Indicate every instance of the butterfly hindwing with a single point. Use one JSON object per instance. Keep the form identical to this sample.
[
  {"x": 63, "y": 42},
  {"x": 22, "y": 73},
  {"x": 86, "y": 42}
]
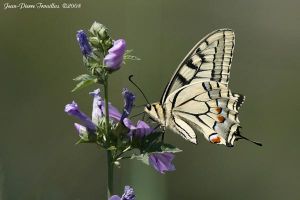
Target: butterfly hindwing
[
  {"x": 204, "y": 107},
  {"x": 209, "y": 60}
]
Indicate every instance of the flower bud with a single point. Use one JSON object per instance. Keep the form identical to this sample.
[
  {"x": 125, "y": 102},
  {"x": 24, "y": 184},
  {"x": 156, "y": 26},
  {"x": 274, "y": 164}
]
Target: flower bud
[
  {"x": 99, "y": 30},
  {"x": 83, "y": 42},
  {"x": 94, "y": 41}
]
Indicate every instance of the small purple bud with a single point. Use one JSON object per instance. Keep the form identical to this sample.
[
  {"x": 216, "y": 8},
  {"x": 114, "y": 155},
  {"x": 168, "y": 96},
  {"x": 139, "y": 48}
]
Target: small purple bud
[
  {"x": 73, "y": 109},
  {"x": 162, "y": 162},
  {"x": 114, "y": 58},
  {"x": 128, "y": 102},
  {"x": 84, "y": 44}
]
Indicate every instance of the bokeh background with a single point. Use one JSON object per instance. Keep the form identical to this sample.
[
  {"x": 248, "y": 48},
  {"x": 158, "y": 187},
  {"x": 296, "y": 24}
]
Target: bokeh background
[{"x": 39, "y": 56}]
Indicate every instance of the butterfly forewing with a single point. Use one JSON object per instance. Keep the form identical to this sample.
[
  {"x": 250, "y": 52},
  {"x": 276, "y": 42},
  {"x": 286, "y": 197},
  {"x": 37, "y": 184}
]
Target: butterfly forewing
[{"x": 209, "y": 60}]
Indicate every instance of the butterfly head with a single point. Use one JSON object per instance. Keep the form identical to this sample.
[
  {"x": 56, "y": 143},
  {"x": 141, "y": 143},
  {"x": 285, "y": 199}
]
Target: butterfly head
[{"x": 156, "y": 112}]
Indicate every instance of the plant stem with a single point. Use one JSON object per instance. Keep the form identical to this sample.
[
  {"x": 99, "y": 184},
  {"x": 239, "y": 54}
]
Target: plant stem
[
  {"x": 110, "y": 174},
  {"x": 110, "y": 164}
]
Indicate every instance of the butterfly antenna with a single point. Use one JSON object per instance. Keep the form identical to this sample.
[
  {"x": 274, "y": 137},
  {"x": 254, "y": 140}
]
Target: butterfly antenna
[
  {"x": 137, "y": 115},
  {"x": 130, "y": 79},
  {"x": 138, "y": 106},
  {"x": 243, "y": 137}
]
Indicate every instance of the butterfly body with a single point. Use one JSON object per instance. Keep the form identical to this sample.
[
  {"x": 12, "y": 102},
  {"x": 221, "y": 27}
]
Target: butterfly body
[{"x": 197, "y": 100}]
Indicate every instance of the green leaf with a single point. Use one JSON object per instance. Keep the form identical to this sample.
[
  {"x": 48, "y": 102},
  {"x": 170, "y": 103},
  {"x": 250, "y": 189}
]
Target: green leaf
[
  {"x": 127, "y": 55},
  {"x": 131, "y": 57},
  {"x": 161, "y": 147},
  {"x": 151, "y": 138},
  {"x": 170, "y": 148},
  {"x": 84, "y": 81},
  {"x": 142, "y": 157},
  {"x": 129, "y": 51},
  {"x": 83, "y": 77},
  {"x": 111, "y": 148}
]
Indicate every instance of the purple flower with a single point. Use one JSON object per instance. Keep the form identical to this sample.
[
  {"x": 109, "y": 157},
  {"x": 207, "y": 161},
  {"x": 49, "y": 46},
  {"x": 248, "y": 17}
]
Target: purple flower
[
  {"x": 84, "y": 44},
  {"x": 128, "y": 102},
  {"x": 99, "y": 108},
  {"x": 73, "y": 109},
  {"x": 142, "y": 129},
  {"x": 97, "y": 103},
  {"x": 114, "y": 58},
  {"x": 162, "y": 162},
  {"x": 82, "y": 131},
  {"x": 128, "y": 195}
]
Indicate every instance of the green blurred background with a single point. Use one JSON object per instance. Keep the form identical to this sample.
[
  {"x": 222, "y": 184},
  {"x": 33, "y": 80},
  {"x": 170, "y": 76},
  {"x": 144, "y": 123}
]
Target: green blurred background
[{"x": 39, "y": 56}]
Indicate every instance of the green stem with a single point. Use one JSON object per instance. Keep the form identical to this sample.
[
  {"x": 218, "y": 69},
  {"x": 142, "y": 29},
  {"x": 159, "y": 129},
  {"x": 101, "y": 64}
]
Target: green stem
[
  {"x": 110, "y": 161},
  {"x": 110, "y": 174}
]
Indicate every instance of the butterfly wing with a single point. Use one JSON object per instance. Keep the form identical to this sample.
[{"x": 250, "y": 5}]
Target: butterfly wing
[
  {"x": 209, "y": 60},
  {"x": 204, "y": 107}
]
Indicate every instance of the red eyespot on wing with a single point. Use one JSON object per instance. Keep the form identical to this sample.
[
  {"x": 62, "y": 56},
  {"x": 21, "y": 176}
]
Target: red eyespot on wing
[
  {"x": 221, "y": 118},
  {"x": 218, "y": 109},
  {"x": 214, "y": 138}
]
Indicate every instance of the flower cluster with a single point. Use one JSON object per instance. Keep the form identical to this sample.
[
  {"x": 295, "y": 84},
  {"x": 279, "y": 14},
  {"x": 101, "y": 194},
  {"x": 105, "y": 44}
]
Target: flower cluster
[
  {"x": 126, "y": 134},
  {"x": 109, "y": 128}
]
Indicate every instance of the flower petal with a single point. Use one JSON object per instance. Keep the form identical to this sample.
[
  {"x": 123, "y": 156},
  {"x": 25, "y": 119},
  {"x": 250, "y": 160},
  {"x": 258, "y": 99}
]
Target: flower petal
[
  {"x": 119, "y": 47},
  {"x": 114, "y": 58},
  {"x": 113, "y": 112},
  {"x": 128, "y": 123},
  {"x": 142, "y": 129},
  {"x": 162, "y": 161},
  {"x": 97, "y": 113},
  {"x": 129, "y": 98},
  {"x": 82, "y": 131},
  {"x": 73, "y": 109}
]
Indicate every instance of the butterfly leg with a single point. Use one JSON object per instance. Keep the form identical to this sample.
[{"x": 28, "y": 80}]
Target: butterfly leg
[{"x": 163, "y": 133}]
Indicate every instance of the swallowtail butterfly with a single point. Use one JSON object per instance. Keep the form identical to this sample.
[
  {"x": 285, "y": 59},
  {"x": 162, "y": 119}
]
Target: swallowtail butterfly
[{"x": 197, "y": 98}]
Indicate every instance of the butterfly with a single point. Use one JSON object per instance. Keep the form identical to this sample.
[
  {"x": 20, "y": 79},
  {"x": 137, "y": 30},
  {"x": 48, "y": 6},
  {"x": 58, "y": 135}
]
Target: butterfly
[{"x": 197, "y": 99}]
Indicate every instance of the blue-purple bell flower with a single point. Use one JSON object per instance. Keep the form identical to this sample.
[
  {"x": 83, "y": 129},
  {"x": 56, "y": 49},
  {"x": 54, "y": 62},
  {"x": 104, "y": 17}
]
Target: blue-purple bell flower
[
  {"x": 114, "y": 58},
  {"x": 73, "y": 109},
  {"x": 162, "y": 162}
]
